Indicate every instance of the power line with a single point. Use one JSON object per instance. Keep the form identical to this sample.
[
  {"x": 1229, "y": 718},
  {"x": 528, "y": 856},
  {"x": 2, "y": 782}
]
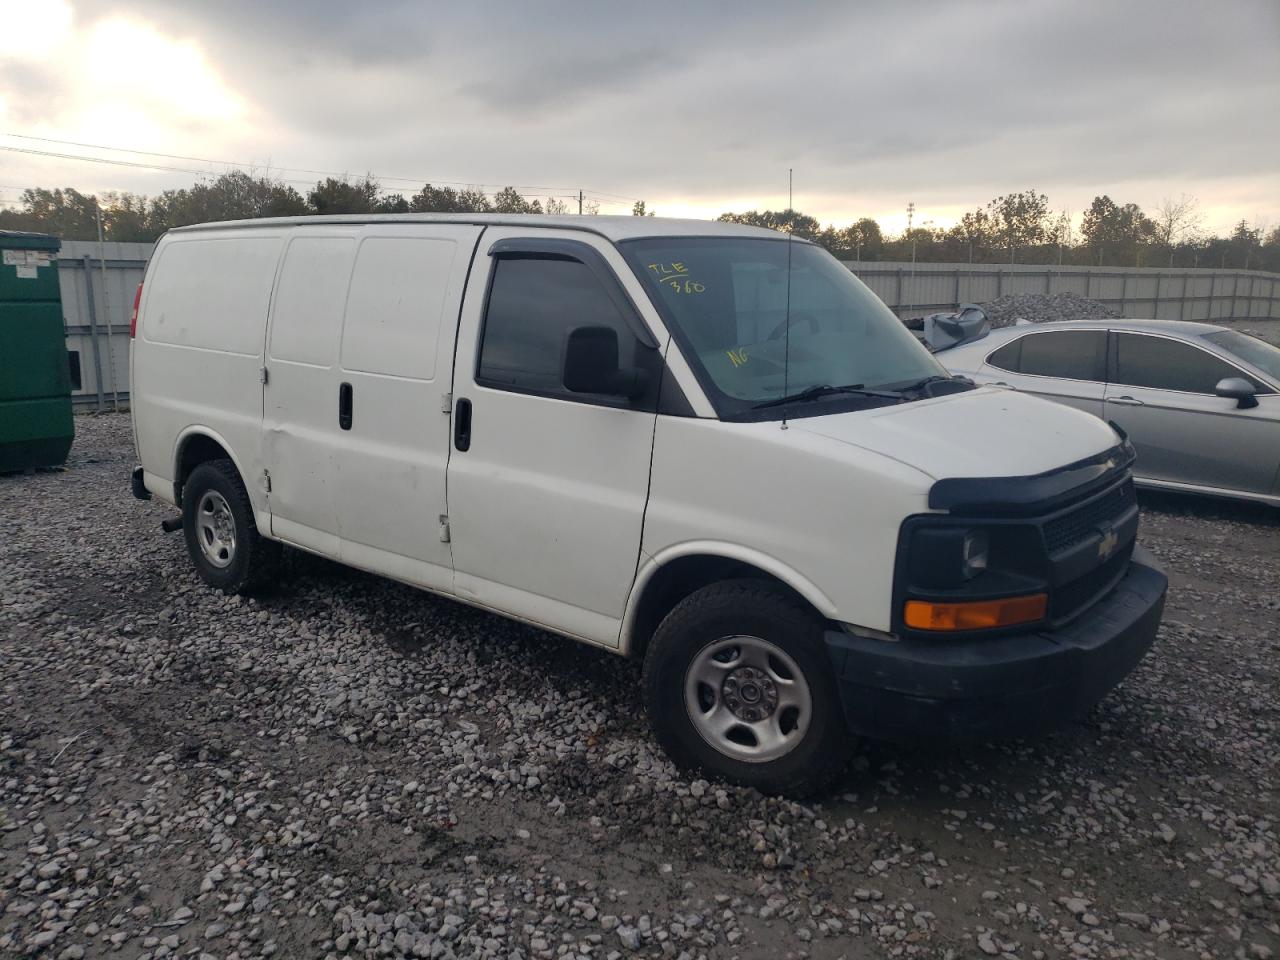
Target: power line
[{"x": 232, "y": 163}]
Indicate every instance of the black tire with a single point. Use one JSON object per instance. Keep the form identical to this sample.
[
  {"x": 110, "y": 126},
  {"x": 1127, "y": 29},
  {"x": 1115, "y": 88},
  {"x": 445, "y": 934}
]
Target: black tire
[
  {"x": 254, "y": 560},
  {"x": 751, "y": 609}
]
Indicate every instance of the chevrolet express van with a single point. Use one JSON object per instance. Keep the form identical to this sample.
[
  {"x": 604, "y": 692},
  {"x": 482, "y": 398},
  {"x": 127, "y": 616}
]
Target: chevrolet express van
[{"x": 701, "y": 444}]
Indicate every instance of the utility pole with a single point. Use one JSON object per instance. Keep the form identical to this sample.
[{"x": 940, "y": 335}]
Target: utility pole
[
  {"x": 579, "y": 203},
  {"x": 106, "y": 308},
  {"x": 911, "y": 213}
]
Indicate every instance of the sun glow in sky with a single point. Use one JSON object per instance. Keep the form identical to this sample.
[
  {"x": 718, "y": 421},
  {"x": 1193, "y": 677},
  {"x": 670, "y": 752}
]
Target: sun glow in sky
[{"x": 696, "y": 123}]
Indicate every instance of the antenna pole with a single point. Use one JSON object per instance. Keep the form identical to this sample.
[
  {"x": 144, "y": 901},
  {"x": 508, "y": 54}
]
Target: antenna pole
[{"x": 786, "y": 355}]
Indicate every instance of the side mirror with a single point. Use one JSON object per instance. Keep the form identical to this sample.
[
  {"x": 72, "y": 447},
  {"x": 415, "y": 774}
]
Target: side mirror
[
  {"x": 591, "y": 365},
  {"x": 1238, "y": 389}
]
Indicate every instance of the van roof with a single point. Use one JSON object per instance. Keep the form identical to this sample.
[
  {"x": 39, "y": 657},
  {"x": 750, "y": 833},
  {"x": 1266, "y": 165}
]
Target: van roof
[{"x": 612, "y": 227}]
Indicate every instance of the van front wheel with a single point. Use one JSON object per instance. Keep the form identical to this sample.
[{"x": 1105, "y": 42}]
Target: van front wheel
[
  {"x": 738, "y": 686},
  {"x": 222, "y": 538}
]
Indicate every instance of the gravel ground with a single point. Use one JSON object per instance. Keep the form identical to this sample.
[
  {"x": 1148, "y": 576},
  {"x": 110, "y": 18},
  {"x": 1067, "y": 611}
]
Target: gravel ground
[{"x": 348, "y": 767}]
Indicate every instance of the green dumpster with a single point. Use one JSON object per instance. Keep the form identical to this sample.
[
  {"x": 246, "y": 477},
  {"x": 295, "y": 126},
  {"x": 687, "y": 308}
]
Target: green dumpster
[{"x": 36, "y": 427}]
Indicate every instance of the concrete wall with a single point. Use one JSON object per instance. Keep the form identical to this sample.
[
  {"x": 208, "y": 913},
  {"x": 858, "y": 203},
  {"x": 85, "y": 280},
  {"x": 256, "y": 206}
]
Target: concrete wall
[{"x": 1168, "y": 294}]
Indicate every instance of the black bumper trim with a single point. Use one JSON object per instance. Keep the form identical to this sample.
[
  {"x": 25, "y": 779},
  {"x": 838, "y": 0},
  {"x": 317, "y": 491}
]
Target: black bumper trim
[
  {"x": 1013, "y": 685},
  {"x": 140, "y": 490}
]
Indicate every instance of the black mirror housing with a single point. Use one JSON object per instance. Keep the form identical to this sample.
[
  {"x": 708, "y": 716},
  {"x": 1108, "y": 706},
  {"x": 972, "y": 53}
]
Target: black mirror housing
[
  {"x": 1238, "y": 389},
  {"x": 590, "y": 365}
]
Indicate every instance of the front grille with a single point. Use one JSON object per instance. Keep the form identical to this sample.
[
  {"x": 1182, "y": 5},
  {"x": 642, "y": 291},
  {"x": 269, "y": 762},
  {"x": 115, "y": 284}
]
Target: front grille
[
  {"x": 1071, "y": 598},
  {"x": 1072, "y": 527}
]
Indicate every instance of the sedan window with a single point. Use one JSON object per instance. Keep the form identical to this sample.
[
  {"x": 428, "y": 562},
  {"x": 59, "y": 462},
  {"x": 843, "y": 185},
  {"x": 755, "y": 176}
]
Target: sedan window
[
  {"x": 1163, "y": 364},
  {"x": 1261, "y": 354},
  {"x": 1067, "y": 354}
]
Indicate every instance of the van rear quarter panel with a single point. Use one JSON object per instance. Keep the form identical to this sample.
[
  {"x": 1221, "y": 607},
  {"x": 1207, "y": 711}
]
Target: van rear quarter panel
[{"x": 199, "y": 348}]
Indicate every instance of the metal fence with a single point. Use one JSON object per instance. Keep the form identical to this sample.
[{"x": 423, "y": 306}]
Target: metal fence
[
  {"x": 1158, "y": 292},
  {"x": 98, "y": 282}
]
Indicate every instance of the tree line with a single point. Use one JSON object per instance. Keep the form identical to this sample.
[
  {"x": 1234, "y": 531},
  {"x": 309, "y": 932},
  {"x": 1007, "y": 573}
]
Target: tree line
[
  {"x": 239, "y": 195},
  {"x": 1023, "y": 228},
  {"x": 1012, "y": 228}
]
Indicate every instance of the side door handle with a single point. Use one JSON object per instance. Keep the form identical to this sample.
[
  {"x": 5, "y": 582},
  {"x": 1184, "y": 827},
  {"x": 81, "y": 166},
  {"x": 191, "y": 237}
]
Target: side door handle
[
  {"x": 462, "y": 425},
  {"x": 344, "y": 406},
  {"x": 1126, "y": 401}
]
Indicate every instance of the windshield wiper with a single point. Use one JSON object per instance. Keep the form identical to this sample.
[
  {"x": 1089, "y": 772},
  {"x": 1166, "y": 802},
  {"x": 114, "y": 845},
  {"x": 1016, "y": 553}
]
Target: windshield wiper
[{"x": 821, "y": 390}]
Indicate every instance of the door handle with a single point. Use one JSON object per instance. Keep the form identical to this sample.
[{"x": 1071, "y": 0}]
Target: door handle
[
  {"x": 1126, "y": 401},
  {"x": 462, "y": 425},
  {"x": 344, "y": 406}
]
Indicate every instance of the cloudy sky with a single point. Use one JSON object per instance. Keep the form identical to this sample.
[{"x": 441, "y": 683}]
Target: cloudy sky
[{"x": 697, "y": 108}]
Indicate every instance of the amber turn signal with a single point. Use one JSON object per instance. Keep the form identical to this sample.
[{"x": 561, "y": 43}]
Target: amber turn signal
[{"x": 975, "y": 615}]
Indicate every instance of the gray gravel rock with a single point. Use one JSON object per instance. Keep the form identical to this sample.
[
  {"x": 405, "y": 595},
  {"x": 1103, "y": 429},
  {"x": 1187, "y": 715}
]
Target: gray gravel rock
[
  {"x": 1041, "y": 308},
  {"x": 345, "y": 767}
]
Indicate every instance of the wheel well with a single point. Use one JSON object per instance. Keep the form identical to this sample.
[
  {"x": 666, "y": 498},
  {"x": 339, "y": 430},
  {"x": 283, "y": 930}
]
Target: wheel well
[
  {"x": 196, "y": 449},
  {"x": 681, "y": 577}
]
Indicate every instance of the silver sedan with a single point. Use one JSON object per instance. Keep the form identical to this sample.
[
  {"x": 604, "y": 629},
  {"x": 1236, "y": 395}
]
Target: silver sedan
[{"x": 1200, "y": 402}]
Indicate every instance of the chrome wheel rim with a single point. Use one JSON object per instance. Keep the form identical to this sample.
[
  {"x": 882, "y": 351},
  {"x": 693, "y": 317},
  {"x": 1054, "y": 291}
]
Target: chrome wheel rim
[
  {"x": 216, "y": 529},
  {"x": 748, "y": 699}
]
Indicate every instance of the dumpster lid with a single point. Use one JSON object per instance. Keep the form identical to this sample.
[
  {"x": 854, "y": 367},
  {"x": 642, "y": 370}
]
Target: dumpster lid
[{"x": 21, "y": 240}]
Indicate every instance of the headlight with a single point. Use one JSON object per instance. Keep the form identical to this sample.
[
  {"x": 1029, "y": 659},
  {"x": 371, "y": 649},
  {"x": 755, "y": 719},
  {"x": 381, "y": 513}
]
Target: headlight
[
  {"x": 948, "y": 557},
  {"x": 974, "y": 552}
]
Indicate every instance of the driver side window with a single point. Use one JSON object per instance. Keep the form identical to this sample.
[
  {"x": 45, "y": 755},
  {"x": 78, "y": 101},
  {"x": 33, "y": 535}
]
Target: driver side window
[
  {"x": 1159, "y": 363},
  {"x": 533, "y": 304}
]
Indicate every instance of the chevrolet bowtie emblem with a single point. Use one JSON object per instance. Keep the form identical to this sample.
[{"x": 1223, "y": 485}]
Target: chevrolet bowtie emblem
[{"x": 1107, "y": 546}]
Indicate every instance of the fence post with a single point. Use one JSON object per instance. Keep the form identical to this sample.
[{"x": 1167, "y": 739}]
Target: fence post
[
  {"x": 93, "y": 328},
  {"x": 958, "y": 300},
  {"x": 1235, "y": 286},
  {"x": 1048, "y": 282},
  {"x": 1124, "y": 294},
  {"x": 999, "y": 283},
  {"x": 1182, "y": 311},
  {"x": 1155, "y": 304},
  {"x": 898, "y": 297}
]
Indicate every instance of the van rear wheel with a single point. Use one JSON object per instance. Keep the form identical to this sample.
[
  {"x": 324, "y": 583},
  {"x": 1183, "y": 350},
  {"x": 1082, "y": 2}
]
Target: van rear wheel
[
  {"x": 222, "y": 537},
  {"x": 739, "y": 687}
]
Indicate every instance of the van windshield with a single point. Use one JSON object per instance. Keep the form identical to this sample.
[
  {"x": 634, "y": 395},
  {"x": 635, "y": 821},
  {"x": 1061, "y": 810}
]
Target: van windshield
[{"x": 726, "y": 301}]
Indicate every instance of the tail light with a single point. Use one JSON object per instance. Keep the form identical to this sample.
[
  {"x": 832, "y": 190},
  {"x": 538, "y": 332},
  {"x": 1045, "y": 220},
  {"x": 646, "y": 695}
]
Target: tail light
[{"x": 133, "y": 319}]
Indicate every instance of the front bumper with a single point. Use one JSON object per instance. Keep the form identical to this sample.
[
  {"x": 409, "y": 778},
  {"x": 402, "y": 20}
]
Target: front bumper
[{"x": 1014, "y": 685}]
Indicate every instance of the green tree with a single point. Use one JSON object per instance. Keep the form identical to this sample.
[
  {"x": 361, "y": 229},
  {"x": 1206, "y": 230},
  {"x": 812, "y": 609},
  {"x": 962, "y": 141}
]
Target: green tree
[
  {"x": 332, "y": 195},
  {"x": 391, "y": 203},
  {"x": 973, "y": 237},
  {"x": 237, "y": 195},
  {"x": 510, "y": 200},
  {"x": 1116, "y": 234},
  {"x": 784, "y": 221},
  {"x": 1019, "y": 220},
  {"x": 1245, "y": 245},
  {"x": 65, "y": 213},
  {"x": 431, "y": 199},
  {"x": 127, "y": 217},
  {"x": 863, "y": 239}
]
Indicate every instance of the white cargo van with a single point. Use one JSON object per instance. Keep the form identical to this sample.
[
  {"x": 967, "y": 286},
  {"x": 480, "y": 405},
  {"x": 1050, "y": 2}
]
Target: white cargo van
[{"x": 702, "y": 444}]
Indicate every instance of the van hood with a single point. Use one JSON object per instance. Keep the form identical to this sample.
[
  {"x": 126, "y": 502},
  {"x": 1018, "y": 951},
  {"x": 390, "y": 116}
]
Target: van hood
[{"x": 986, "y": 432}]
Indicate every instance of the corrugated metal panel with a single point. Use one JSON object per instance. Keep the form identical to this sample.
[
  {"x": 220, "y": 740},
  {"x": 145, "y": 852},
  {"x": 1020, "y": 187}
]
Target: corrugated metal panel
[
  {"x": 1170, "y": 293},
  {"x": 104, "y": 372}
]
